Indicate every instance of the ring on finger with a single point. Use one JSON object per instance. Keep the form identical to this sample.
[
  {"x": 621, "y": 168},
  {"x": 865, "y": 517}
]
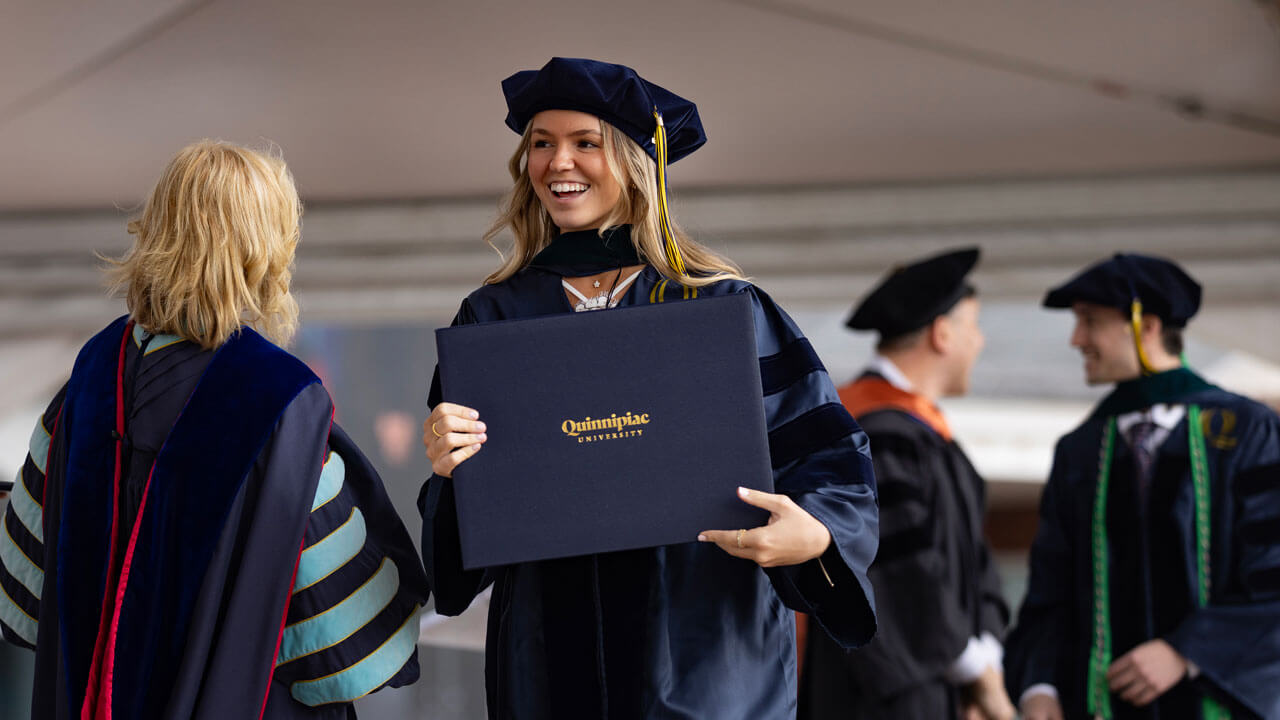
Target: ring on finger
[
  {"x": 434, "y": 430},
  {"x": 741, "y": 532}
]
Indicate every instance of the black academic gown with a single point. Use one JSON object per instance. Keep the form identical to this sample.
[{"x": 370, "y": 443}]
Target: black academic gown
[
  {"x": 681, "y": 631},
  {"x": 203, "y": 578},
  {"x": 935, "y": 583},
  {"x": 1235, "y": 640}
]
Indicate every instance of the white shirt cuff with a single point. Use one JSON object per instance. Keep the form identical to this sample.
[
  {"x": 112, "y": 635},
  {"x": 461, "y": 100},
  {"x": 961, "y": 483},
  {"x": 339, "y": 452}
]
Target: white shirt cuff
[
  {"x": 1038, "y": 689},
  {"x": 979, "y": 654}
]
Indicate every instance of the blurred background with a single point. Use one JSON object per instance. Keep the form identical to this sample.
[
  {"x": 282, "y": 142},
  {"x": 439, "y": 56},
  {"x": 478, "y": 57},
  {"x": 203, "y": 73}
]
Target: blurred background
[{"x": 845, "y": 136}]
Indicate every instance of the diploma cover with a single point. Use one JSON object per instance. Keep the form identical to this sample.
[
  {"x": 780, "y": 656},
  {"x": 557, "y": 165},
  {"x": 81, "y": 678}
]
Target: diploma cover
[{"x": 608, "y": 430}]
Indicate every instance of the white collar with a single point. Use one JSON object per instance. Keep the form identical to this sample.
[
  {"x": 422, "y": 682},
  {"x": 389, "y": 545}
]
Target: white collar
[
  {"x": 889, "y": 371},
  {"x": 1164, "y": 416}
]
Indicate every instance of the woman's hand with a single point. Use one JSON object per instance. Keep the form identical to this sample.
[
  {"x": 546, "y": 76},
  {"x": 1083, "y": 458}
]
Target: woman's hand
[
  {"x": 452, "y": 434},
  {"x": 792, "y": 536}
]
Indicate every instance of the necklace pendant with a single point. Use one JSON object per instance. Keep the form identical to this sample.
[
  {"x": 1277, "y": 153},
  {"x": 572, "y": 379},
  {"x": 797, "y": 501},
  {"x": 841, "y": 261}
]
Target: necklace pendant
[{"x": 595, "y": 284}]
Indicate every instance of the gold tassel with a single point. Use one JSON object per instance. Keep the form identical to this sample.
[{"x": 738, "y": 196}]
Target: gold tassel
[
  {"x": 660, "y": 146},
  {"x": 1135, "y": 320}
]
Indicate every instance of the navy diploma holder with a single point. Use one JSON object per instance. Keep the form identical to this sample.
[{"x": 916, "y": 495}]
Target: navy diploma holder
[{"x": 608, "y": 430}]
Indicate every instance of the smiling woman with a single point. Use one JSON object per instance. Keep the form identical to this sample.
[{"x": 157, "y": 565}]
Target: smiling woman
[
  {"x": 569, "y": 169},
  {"x": 698, "y": 629}
]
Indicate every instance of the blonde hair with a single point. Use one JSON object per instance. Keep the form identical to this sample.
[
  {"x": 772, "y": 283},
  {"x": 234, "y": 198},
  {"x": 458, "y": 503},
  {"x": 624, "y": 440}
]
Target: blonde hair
[
  {"x": 214, "y": 247},
  {"x": 636, "y": 172}
]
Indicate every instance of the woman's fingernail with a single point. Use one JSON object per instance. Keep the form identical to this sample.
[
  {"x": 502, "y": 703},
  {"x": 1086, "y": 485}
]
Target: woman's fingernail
[
  {"x": 480, "y": 427},
  {"x": 482, "y": 437},
  {"x": 744, "y": 492},
  {"x": 702, "y": 538},
  {"x": 474, "y": 414}
]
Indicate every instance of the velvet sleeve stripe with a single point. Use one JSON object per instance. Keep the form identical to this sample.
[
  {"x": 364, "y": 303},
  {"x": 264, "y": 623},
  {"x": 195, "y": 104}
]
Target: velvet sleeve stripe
[
  {"x": 365, "y": 676},
  {"x": 17, "y": 564},
  {"x": 786, "y": 367},
  {"x": 1257, "y": 480},
  {"x": 1264, "y": 580},
  {"x": 1265, "y": 531},
  {"x": 343, "y": 620},
  {"x": 331, "y": 553},
  {"x": 331, "y": 478},
  {"x": 13, "y": 617},
  {"x": 816, "y": 429},
  {"x": 351, "y": 595},
  {"x": 23, "y": 503},
  {"x": 39, "y": 445}
]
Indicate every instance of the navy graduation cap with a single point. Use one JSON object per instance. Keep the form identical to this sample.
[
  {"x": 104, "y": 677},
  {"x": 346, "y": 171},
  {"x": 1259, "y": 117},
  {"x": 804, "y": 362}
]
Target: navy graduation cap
[
  {"x": 1136, "y": 283},
  {"x": 613, "y": 93},
  {"x": 913, "y": 295},
  {"x": 1159, "y": 285}
]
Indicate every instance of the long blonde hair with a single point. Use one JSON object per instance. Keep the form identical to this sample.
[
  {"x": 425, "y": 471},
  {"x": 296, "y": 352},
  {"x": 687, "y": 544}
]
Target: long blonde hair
[
  {"x": 634, "y": 170},
  {"x": 214, "y": 247}
]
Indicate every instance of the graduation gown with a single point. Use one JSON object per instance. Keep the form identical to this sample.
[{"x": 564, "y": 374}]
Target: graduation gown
[
  {"x": 681, "y": 631},
  {"x": 1235, "y": 639},
  {"x": 191, "y": 537},
  {"x": 935, "y": 582}
]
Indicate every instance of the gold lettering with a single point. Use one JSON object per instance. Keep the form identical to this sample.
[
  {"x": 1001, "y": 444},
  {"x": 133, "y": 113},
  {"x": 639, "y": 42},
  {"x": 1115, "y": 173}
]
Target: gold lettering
[{"x": 611, "y": 428}]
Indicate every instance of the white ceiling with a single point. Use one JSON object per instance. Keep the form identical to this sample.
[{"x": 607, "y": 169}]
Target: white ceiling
[{"x": 377, "y": 100}]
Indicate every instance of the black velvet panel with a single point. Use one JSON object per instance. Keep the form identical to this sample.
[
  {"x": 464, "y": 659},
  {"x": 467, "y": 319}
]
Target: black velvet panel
[
  {"x": 84, "y": 540},
  {"x": 1257, "y": 480},
  {"x": 783, "y": 369},
  {"x": 811, "y": 431},
  {"x": 1171, "y": 527},
  {"x": 1262, "y": 532},
  {"x": 1127, "y": 536},
  {"x": 626, "y": 582},
  {"x": 574, "y": 662}
]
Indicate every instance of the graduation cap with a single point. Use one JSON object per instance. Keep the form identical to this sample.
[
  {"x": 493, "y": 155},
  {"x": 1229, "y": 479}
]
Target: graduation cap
[
  {"x": 613, "y": 93},
  {"x": 1135, "y": 283},
  {"x": 911, "y": 296},
  {"x": 664, "y": 124}
]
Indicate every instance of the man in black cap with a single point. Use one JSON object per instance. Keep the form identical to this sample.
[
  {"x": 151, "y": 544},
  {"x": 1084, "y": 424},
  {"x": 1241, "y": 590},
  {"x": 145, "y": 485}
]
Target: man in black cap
[
  {"x": 937, "y": 651},
  {"x": 1155, "y": 572}
]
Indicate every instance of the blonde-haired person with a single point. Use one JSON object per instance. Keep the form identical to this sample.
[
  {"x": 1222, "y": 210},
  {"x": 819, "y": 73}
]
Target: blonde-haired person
[
  {"x": 695, "y": 630},
  {"x": 214, "y": 247},
  {"x": 191, "y": 536}
]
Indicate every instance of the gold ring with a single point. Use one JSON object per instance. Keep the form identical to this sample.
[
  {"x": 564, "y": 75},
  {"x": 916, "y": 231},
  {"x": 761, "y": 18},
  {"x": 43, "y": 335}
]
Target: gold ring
[
  {"x": 433, "y": 429},
  {"x": 740, "y": 534}
]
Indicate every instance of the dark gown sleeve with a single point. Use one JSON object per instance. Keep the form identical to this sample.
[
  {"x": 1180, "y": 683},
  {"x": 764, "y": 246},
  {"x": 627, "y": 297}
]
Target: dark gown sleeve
[
  {"x": 921, "y": 632},
  {"x": 994, "y": 613},
  {"x": 821, "y": 460},
  {"x": 22, "y": 537},
  {"x": 352, "y": 621},
  {"x": 1235, "y": 640},
  {"x": 1035, "y": 651},
  {"x": 453, "y": 587}
]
